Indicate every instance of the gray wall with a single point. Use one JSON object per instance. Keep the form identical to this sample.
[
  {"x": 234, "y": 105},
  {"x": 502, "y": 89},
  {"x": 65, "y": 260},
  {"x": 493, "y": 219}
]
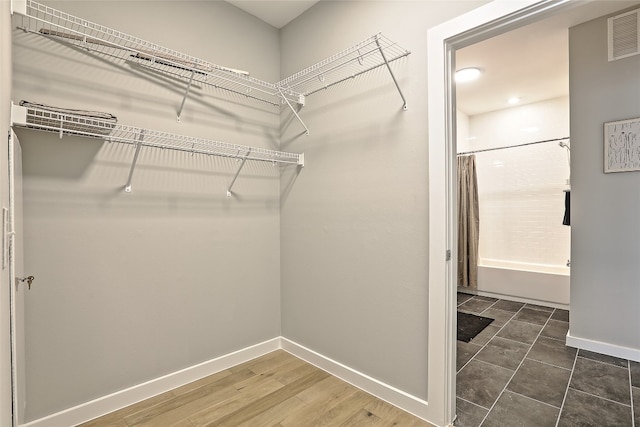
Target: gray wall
[
  {"x": 134, "y": 286},
  {"x": 605, "y": 272},
  {"x": 354, "y": 222},
  {"x": 5, "y": 118}
]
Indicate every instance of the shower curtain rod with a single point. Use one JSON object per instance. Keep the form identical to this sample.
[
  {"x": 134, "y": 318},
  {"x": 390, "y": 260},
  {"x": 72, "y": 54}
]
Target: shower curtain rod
[{"x": 512, "y": 146}]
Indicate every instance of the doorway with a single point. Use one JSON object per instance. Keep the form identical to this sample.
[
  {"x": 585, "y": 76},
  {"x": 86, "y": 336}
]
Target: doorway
[
  {"x": 512, "y": 126},
  {"x": 490, "y": 20}
]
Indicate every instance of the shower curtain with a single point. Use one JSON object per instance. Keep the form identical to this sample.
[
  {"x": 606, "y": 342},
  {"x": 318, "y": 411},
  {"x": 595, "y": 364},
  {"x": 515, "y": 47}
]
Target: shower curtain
[{"x": 468, "y": 222}]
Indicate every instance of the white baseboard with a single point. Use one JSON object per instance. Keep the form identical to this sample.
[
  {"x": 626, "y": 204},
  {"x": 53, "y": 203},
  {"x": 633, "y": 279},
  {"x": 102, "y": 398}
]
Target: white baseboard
[
  {"x": 112, "y": 402},
  {"x": 512, "y": 298},
  {"x": 390, "y": 394},
  {"x": 603, "y": 348},
  {"x": 121, "y": 399}
]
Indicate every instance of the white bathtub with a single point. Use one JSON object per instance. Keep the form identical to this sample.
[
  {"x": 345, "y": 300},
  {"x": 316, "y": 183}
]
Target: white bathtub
[{"x": 535, "y": 283}]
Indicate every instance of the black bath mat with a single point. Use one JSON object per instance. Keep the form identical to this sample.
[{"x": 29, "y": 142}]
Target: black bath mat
[{"x": 470, "y": 325}]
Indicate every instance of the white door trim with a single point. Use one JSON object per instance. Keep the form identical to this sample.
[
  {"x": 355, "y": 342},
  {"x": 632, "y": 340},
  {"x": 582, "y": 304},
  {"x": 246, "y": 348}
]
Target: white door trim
[
  {"x": 479, "y": 24},
  {"x": 12, "y": 277}
]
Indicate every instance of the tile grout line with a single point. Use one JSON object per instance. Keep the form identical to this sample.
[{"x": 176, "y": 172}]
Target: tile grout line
[
  {"x": 604, "y": 363},
  {"x": 633, "y": 418},
  {"x": 542, "y": 336},
  {"x": 519, "y": 365},
  {"x": 600, "y": 397},
  {"x": 566, "y": 391},
  {"x": 471, "y": 403},
  {"x": 550, "y": 364},
  {"x": 535, "y": 400}
]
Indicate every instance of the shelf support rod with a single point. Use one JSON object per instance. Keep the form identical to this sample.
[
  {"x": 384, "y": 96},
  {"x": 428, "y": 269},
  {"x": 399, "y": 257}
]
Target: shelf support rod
[
  {"x": 294, "y": 111},
  {"x": 186, "y": 93},
  {"x": 404, "y": 106},
  {"x": 127, "y": 187},
  {"x": 233, "y": 181}
]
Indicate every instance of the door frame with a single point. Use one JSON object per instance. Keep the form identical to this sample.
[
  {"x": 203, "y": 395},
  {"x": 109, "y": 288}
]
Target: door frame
[
  {"x": 491, "y": 19},
  {"x": 12, "y": 275},
  {"x": 16, "y": 295}
]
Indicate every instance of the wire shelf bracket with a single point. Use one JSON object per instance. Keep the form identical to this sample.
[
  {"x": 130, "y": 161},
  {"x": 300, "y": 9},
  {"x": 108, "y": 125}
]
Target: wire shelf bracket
[
  {"x": 64, "y": 123},
  {"x": 233, "y": 181},
  {"x": 186, "y": 93},
  {"x": 127, "y": 187},
  {"x": 295, "y": 113},
  {"x": 393, "y": 76}
]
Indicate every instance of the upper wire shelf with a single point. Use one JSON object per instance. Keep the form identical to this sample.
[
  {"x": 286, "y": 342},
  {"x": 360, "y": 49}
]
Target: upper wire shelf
[
  {"x": 376, "y": 51},
  {"x": 47, "y": 21},
  {"x": 63, "y": 122}
]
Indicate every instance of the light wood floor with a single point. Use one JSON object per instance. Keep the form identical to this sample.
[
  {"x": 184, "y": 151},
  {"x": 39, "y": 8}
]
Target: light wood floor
[{"x": 274, "y": 390}]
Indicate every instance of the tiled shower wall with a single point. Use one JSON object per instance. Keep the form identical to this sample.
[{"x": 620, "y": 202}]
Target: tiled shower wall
[{"x": 521, "y": 189}]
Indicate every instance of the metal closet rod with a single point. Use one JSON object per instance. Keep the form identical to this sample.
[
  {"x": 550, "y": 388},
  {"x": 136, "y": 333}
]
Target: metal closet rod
[{"x": 513, "y": 146}]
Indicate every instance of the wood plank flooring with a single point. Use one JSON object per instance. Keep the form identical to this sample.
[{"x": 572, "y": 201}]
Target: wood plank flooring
[{"x": 276, "y": 390}]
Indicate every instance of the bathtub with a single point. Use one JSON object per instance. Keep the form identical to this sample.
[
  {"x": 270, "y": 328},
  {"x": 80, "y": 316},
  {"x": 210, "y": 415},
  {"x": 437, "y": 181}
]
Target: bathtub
[{"x": 533, "y": 283}]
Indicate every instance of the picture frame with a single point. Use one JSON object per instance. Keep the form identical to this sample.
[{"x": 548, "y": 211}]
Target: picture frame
[{"x": 622, "y": 146}]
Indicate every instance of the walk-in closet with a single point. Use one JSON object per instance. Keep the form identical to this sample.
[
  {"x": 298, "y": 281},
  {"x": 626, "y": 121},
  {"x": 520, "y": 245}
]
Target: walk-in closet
[
  {"x": 197, "y": 195},
  {"x": 157, "y": 153}
]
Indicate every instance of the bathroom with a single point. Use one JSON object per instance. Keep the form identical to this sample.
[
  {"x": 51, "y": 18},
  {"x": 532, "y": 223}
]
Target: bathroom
[{"x": 517, "y": 127}]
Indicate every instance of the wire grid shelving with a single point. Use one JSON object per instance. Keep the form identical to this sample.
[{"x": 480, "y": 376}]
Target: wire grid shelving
[
  {"x": 373, "y": 52},
  {"x": 47, "y": 21},
  {"x": 65, "y": 123},
  {"x": 376, "y": 51}
]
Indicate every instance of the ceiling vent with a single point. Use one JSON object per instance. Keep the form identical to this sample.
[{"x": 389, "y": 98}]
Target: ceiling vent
[{"x": 624, "y": 35}]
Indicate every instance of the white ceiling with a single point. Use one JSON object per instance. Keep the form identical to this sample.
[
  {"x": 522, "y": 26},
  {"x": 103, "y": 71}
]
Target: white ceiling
[
  {"x": 277, "y": 13},
  {"x": 531, "y": 62}
]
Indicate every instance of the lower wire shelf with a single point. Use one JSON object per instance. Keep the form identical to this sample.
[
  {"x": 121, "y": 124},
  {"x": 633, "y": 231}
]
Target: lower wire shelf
[{"x": 64, "y": 122}]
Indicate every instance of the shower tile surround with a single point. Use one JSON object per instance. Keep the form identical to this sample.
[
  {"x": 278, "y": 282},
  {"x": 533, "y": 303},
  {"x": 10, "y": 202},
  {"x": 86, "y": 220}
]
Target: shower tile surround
[
  {"x": 521, "y": 189},
  {"x": 519, "y": 372}
]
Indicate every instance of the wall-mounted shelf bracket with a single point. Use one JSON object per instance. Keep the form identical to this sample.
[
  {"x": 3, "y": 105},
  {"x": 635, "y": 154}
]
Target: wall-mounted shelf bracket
[
  {"x": 186, "y": 93},
  {"x": 293, "y": 110},
  {"x": 384, "y": 57},
  {"x": 19, "y": 6},
  {"x": 127, "y": 187},
  {"x": 18, "y": 115},
  {"x": 233, "y": 181}
]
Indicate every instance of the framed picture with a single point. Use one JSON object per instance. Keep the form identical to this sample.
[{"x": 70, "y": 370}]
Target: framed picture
[{"x": 622, "y": 146}]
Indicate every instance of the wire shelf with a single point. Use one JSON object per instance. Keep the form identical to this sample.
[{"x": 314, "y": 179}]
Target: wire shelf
[
  {"x": 50, "y": 22},
  {"x": 374, "y": 52},
  {"x": 71, "y": 124}
]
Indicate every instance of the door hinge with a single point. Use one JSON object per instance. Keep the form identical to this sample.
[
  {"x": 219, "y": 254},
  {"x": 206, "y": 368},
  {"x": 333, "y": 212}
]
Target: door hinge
[{"x": 448, "y": 255}]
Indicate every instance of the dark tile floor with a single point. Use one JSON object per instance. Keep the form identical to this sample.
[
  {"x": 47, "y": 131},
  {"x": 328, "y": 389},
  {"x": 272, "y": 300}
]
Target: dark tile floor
[{"x": 518, "y": 372}]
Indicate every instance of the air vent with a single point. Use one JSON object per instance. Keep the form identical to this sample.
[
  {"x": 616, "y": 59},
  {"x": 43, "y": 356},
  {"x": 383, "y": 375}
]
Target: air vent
[{"x": 624, "y": 35}]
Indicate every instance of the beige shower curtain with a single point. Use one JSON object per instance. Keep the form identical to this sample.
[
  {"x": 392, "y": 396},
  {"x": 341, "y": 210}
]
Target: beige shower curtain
[{"x": 468, "y": 222}]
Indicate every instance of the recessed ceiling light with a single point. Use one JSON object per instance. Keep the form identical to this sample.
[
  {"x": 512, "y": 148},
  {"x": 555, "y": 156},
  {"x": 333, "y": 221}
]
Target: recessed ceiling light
[
  {"x": 467, "y": 74},
  {"x": 513, "y": 100}
]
